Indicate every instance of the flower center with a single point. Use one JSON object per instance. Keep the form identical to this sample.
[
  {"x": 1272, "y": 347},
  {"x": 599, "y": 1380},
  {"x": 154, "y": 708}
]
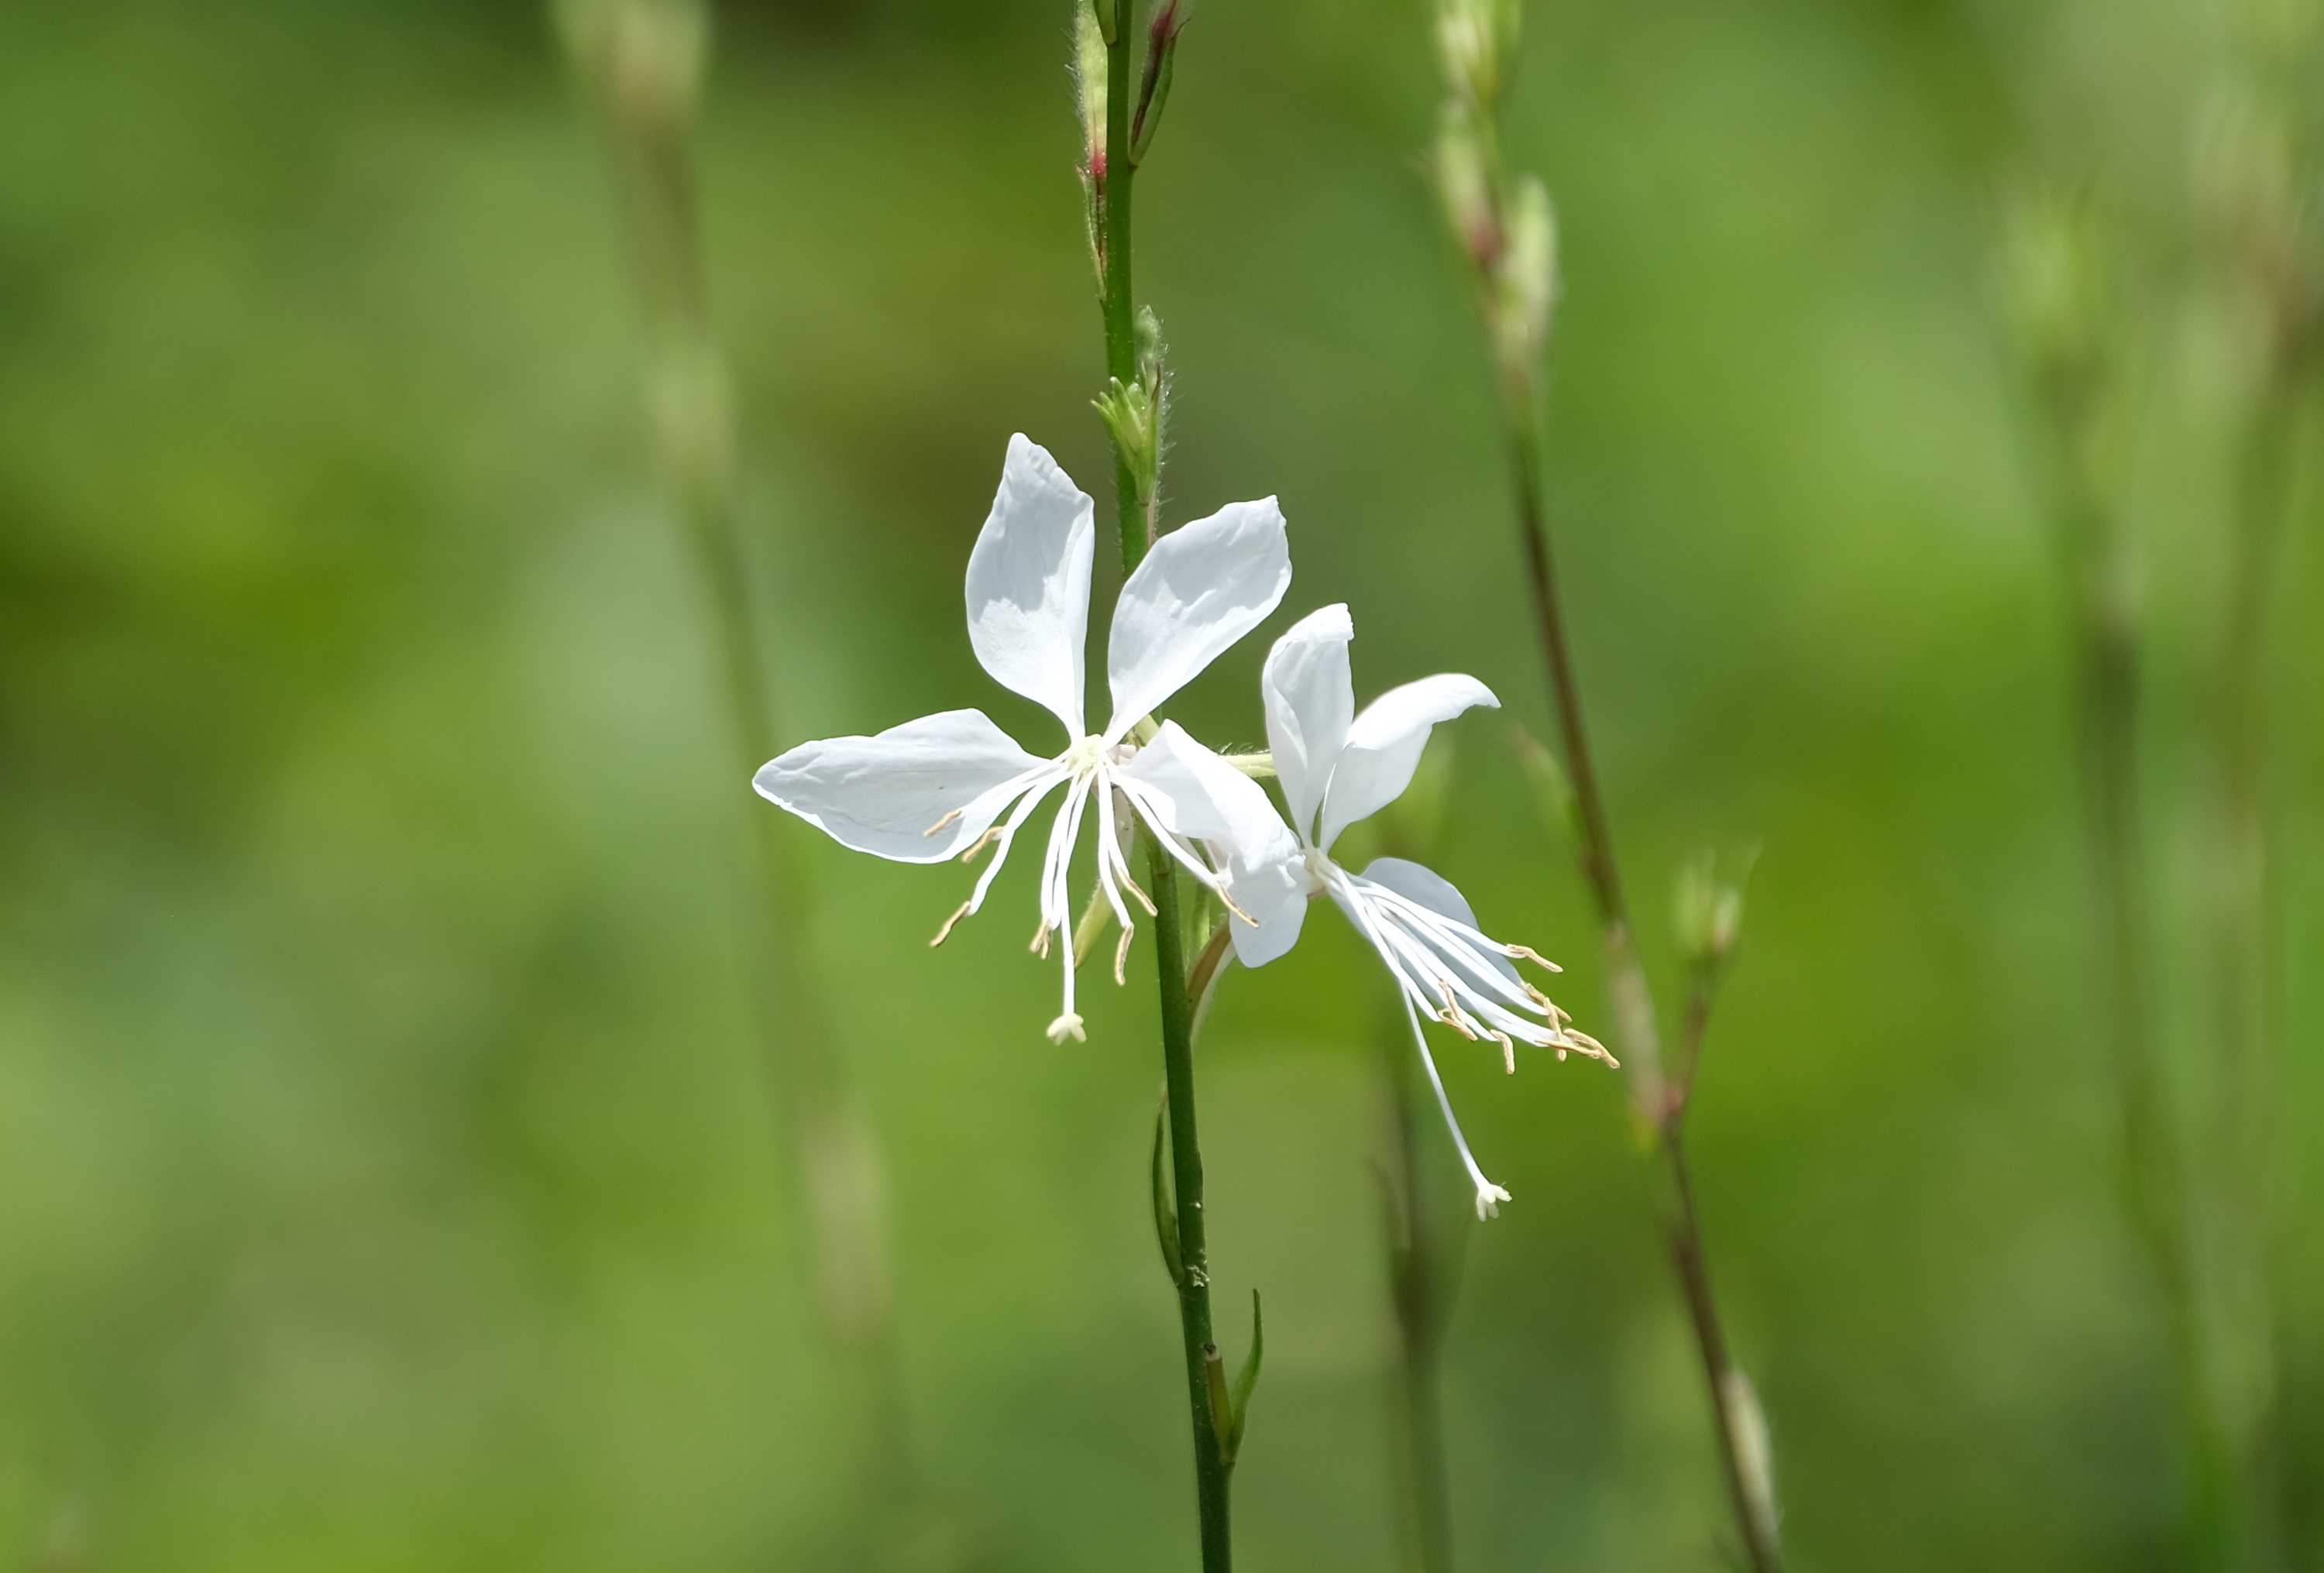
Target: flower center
[
  {"x": 1320, "y": 867},
  {"x": 1083, "y": 757}
]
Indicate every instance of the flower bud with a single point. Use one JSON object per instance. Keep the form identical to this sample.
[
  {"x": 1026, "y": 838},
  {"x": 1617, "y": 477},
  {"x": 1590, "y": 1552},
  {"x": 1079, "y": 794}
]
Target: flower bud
[
  {"x": 1707, "y": 910},
  {"x": 1474, "y": 40},
  {"x": 1753, "y": 1451},
  {"x": 2051, "y": 281},
  {"x": 1132, "y": 414},
  {"x": 1465, "y": 188},
  {"x": 1528, "y": 279},
  {"x": 1089, "y": 89},
  {"x": 646, "y": 56}
]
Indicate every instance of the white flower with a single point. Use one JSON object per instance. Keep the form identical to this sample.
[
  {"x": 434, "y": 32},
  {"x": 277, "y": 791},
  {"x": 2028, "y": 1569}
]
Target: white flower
[
  {"x": 939, "y": 787},
  {"x": 1337, "y": 768}
]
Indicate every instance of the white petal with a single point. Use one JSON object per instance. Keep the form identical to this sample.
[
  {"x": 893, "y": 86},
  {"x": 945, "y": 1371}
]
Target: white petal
[
  {"x": 1200, "y": 797},
  {"x": 1309, "y": 703},
  {"x": 1384, "y": 745},
  {"x": 1029, "y": 583},
  {"x": 1201, "y": 587},
  {"x": 1276, "y": 896},
  {"x": 1436, "y": 893},
  {"x": 881, "y": 794}
]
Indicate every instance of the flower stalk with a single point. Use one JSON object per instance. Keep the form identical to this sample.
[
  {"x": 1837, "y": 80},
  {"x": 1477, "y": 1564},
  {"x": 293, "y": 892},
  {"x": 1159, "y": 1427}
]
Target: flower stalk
[
  {"x": 641, "y": 62},
  {"x": 2057, "y": 290},
  {"x": 1109, "y": 169},
  {"x": 1504, "y": 229}
]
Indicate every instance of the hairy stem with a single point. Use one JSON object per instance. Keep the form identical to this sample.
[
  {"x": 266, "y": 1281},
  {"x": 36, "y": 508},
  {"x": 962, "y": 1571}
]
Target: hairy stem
[{"x": 1111, "y": 189}]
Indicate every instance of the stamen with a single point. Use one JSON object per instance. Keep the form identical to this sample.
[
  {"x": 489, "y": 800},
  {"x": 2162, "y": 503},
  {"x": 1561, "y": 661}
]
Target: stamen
[
  {"x": 1121, "y": 872},
  {"x": 1040, "y": 945},
  {"x": 1487, "y": 1193},
  {"x": 991, "y": 835},
  {"x": 1204, "y": 875},
  {"x": 1526, "y": 953},
  {"x": 944, "y": 932},
  {"x": 1121, "y": 957},
  {"x": 1508, "y": 1052},
  {"x": 947, "y": 819},
  {"x": 1583, "y": 1043}
]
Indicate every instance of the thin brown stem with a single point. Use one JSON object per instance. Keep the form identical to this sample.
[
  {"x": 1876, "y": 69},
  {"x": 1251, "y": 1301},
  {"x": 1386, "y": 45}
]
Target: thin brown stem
[{"x": 1631, "y": 998}]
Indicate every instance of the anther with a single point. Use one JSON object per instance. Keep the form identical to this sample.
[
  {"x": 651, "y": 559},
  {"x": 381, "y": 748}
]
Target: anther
[
  {"x": 1040, "y": 945},
  {"x": 1144, "y": 900},
  {"x": 1591, "y": 1047},
  {"x": 947, "y": 819},
  {"x": 1508, "y": 1052},
  {"x": 979, "y": 845},
  {"x": 1526, "y": 953},
  {"x": 1121, "y": 956},
  {"x": 944, "y": 932}
]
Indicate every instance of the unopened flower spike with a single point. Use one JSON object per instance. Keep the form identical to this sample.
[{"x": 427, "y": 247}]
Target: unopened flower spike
[
  {"x": 1338, "y": 767},
  {"x": 953, "y": 784}
]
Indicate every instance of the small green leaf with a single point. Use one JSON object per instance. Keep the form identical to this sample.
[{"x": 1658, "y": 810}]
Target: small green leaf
[
  {"x": 1166, "y": 1221},
  {"x": 1247, "y": 1379}
]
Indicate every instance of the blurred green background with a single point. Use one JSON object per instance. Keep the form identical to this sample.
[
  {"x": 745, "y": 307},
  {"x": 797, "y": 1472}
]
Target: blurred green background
[{"x": 387, "y": 1177}]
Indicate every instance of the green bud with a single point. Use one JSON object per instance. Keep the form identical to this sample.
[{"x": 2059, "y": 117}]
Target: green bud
[
  {"x": 1553, "y": 791},
  {"x": 1692, "y": 907},
  {"x": 1089, "y": 87},
  {"x": 1754, "y": 1454},
  {"x": 1474, "y": 42},
  {"x": 1526, "y": 278},
  {"x": 1131, "y": 414},
  {"x": 1147, "y": 336},
  {"x": 1465, "y": 188},
  {"x": 646, "y": 56},
  {"x": 1707, "y": 908},
  {"x": 2052, "y": 280}
]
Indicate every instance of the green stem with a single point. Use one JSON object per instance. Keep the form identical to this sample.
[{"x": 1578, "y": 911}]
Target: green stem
[
  {"x": 1113, "y": 195},
  {"x": 2248, "y": 948},
  {"x": 831, "y": 1149},
  {"x": 1626, "y": 985},
  {"x": 1419, "y": 1281},
  {"x": 1186, "y": 1182}
]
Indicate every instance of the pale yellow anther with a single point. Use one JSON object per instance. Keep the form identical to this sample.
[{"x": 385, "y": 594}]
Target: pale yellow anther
[
  {"x": 1040, "y": 945},
  {"x": 1527, "y": 953},
  {"x": 1508, "y": 1052},
  {"x": 1121, "y": 957},
  {"x": 980, "y": 843},
  {"x": 944, "y": 932},
  {"x": 947, "y": 819},
  {"x": 1582, "y": 1043},
  {"x": 1144, "y": 900}
]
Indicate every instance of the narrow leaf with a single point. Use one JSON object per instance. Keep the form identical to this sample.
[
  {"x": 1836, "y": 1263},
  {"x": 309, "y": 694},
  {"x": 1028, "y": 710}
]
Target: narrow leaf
[
  {"x": 1247, "y": 1379},
  {"x": 1165, "y": 1219}
]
